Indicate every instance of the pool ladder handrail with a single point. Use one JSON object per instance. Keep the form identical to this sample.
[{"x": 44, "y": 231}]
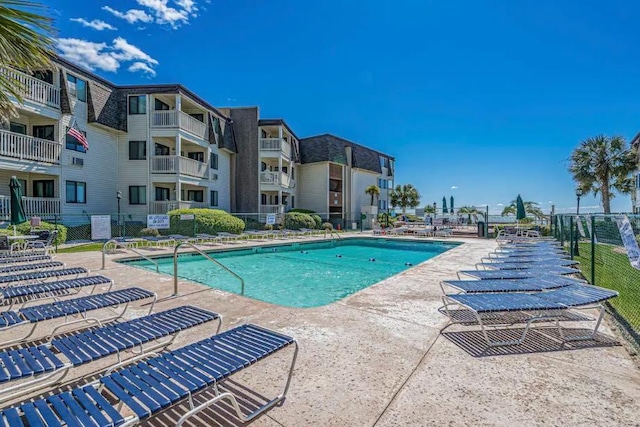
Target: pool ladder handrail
[
  {"x": 129, "y": 248},
  {"x": 331, "y": 233},
  {"x": 207, "y": 256}
]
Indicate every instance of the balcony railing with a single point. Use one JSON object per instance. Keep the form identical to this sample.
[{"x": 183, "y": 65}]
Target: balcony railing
[
  {"x": 178, "y": 119},
  {"x": 25, "y": 147},
  {"x": 179, "y": 164},
  {"x": 276, "y": 178},
  {"x": 276, "y": 209},
  {"x": 162, "y": 207},
  {"x": 33, "y": 206},
  {"x": 274, "y": 145},
  {"x": 32, "y": 88}
]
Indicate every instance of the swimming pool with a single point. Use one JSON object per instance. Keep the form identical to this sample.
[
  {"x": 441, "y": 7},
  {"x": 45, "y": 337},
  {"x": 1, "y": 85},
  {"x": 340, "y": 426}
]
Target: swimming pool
[{"x": 303, "y": 274}]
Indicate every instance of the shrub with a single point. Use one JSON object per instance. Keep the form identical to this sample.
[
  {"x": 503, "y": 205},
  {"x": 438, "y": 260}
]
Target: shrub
[
  {"x": 327, "y": 226},
  {"x": 207, "y": 221},
  {"x": 312, "y": 214},
  {"x": 253, "y": 224},
  {"x": 295, "y": 220},
  {"x": 25, "y": 228},
  {"x": 268, "y": 227},
  {"x": 150, "y": 232}
]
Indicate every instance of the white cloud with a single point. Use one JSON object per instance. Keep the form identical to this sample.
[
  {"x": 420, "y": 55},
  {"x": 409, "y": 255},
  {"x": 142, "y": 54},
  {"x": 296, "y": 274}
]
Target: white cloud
[
  {"x": 550, "y": 201},
  {"x": 106, "y": 57},
  {"x": 96, "y": 24},
  {"x": 131, "y": 16},
  {"x": 160, "y": 12},
  {"x": 142, "y": 67},
  {"x": 500, "y": 204},
  {"x": 454, "y": 187}
]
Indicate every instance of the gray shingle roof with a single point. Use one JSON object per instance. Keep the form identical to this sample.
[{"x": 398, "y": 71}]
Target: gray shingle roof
[{"x": 331, "y": 148}]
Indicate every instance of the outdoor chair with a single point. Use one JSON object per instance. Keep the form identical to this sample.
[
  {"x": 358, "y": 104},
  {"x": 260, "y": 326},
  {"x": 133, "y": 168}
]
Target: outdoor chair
[
  {"x": 4, "y": 243},
  {"x": 148, "y": 387},
  {"x": 40, "y": 275},
  {"x": 508, "y": 285},
  {"x": 26, "y": 258},
  {"x": 41, "y": 365},
  {"x": 14, "y": 294},
  {"x": 26, "y": 267},
  {"x": 551, "y": 306},
  {"x": 204, "y": 238},
  {"x": 44, "y": 242},
  {"x": 71, "y": 308},
  {"x": 523, "y": 273},
  {"x": 523, "y": 265}
]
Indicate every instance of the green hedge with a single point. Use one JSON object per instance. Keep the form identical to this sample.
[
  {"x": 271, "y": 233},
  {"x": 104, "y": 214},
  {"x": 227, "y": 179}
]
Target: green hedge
[
  {"x": 312, "y": 214},
  {"x": 207, "y": 221},
  {"x": 296, "y": 220},
  {"x": 25, "y": 228}
]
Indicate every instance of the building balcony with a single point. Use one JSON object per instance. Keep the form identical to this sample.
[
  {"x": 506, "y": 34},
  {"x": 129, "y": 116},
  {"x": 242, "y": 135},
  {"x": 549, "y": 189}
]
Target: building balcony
[
  {"x": 162, "y": 207},
  {"x": 276, "y": 178},
  {"x": 272, "y": 209},
  {"x": 33, "y": 89},
  {"x": 179, "y": 165},
  {"x": 45, "y": 207},
  {"x": 25, "y": 147},
  {"x": 273, "y": 147},
  {"x": 174, "y": 119}
]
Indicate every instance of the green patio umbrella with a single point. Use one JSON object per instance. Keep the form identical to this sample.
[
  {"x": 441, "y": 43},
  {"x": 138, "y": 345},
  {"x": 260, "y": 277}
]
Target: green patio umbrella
[
  {"x": 521, "y": 213},
  {"x": 451, "y": 200},
  {"x": 444, "y": 205},
  {"x": 17, "y": 212}
]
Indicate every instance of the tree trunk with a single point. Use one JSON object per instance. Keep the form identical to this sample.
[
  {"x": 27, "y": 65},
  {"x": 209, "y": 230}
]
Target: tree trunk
[
  {"x": 606, "y": 197},
  {"x": 371, "y": 199}
]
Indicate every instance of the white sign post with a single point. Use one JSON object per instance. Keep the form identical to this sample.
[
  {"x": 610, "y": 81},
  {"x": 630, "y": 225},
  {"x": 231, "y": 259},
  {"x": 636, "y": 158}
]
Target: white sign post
[
  {"x": 100, "y": 227},
  {"x": 271, "y": 218},
  {"x": 159, "y": 222}
]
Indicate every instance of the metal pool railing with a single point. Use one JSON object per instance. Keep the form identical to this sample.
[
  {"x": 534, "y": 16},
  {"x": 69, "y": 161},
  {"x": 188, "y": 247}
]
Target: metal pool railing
[
  {"x": 120, "y": 244},
  {"x": 207, "y": 256}
]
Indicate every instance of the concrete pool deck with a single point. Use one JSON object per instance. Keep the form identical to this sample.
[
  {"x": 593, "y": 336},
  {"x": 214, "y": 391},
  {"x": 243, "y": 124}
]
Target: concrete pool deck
[{"x": 378, "y": 358}]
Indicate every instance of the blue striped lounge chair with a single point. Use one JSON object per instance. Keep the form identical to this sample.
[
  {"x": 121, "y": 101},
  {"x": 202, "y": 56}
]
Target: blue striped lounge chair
[
  {"x": 523, "y": 265},
  {"x": 14, "y": 294},
  {"x": 33, "y": 266},
  {"x": 25, "y": 258},
  {"x": 150, "y": 386},
  {"x": 508, "y": 285},
  {"x": 519, "y": 274},
  {"x": 8, "y": 279},
  {"x": 41, "y": 365},
  {"x": 549, "y": 306},
  {"x": 68, "y": 309}
]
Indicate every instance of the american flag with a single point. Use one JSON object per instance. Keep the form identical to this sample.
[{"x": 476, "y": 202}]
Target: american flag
[{"x": 79, "y": 136}]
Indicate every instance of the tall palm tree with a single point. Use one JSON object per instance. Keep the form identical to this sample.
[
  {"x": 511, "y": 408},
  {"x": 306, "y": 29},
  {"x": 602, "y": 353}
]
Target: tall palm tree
[
  {"x": 429, "y": 209},
  {"x": 404, "y": 196},
  {"x": 373, "y": 191},
  {"x": 603, "y": 164},
  {"x": 531, "y": 208},
  {"x": 25, "y": 44},
  {"x": 469, "y": 210}
]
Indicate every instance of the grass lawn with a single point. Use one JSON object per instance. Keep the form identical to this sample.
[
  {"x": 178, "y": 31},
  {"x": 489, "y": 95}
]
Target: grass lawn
[
  {"x": 89, "y": 247},
  {"x": 614, "y": 271}
]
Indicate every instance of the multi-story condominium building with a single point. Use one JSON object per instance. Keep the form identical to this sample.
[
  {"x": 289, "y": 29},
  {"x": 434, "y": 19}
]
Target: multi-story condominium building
[
  {"x": 156, "y": 146},
  {"x": 334, "y": 174},
  {"x": 269, "y": 158}
]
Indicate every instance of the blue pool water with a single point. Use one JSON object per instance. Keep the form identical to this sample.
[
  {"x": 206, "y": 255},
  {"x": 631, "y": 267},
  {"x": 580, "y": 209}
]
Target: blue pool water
[{"x": 304, "y": 274}]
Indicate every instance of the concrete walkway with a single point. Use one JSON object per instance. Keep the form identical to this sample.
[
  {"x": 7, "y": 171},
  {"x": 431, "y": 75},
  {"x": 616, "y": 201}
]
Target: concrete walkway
[{"x": 377, "y": 358}]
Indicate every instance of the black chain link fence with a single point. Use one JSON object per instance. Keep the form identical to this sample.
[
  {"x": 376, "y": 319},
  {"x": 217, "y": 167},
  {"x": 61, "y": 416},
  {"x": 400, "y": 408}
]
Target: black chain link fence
[{"x": 597, "y": 243}]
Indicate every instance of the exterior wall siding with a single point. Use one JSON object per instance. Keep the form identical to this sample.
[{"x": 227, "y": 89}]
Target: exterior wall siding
[
  {"x": 313, "y": 180},
  {"x": 361, "y": 180},
  {"x": 134, "y": 172}
]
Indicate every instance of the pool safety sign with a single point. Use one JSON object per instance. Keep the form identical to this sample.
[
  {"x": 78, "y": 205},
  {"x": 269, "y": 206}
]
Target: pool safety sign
[
  {"x": 159, "y": 222},
  {"x": 271, "y": 218}
]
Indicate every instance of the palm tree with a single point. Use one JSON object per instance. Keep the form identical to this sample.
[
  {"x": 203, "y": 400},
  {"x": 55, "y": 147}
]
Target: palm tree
[
  {"x": 429, "y": 209},
  {"x": 603, "y": 164},
  {"x": 373, "y": 191},
  {"x": 469, "y": 210},
  {"x": 531, "y": 208},
  {"x": 509, "y": 209},
  {"x": 25, "y": 44},
  {"x": 405, "y": 196}
]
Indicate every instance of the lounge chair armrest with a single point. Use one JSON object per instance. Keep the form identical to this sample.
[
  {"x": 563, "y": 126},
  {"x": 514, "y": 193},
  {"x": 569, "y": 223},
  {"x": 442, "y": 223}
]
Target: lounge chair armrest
[
  {"x": 64, "y": 325},
  {"x": 115, "y": 366}
]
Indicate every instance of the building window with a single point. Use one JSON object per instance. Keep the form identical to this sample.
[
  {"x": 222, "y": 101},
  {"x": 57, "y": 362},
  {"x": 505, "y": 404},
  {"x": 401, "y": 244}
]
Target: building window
[
  {"x": 137, "y": 195},
  {"x": 76, "y": 192},
  {"x": 161, "y": 150},
  {"x": 213, "y": 198},
  {"x": 638, "y": 181},
  {"x": 263, "y": 199},
  {"x": 73, "y": 144},
  {"x": 17, "y": 128},
  {"x": 44, "y": 132},
  {"x": 138, "y": 104},
  {"x": 195, "y": 196},
  {"x": 44, "y": 75},
  {"x": 293, "y": 201},
  {"x": 159, "y": 105},
  {"x": 382, "y": 183},
  {"x": 77, "y": 87},
  {"x": 214, "y": 161},
  {"x": 196, "y": 155},
  {"x": 198, "y": 116},
  {"x": 44, "y": 188},
  {"x": 162, "y": 194},
  {"x": 137, "y": 150}
]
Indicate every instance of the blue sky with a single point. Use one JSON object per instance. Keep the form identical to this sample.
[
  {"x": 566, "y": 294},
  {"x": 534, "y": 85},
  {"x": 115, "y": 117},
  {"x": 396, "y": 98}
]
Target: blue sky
[{"x": 479, "y": 100}]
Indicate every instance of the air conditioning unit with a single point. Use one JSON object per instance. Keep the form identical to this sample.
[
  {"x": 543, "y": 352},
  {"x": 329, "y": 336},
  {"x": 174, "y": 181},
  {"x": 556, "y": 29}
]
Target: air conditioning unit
[
  {"x": 78, "y": 161},
  {"x": 214, "y": 176}
]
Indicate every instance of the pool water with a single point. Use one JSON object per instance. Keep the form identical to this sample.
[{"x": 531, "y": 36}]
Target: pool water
[{"x": 303, "y": 274}]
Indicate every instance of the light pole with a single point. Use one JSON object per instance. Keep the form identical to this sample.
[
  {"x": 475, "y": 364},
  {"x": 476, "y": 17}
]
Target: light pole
[
  {"x": 434, "y": 214},
  {"x": 576, "y": 248},
  {"x": 119, "y": 196}
]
